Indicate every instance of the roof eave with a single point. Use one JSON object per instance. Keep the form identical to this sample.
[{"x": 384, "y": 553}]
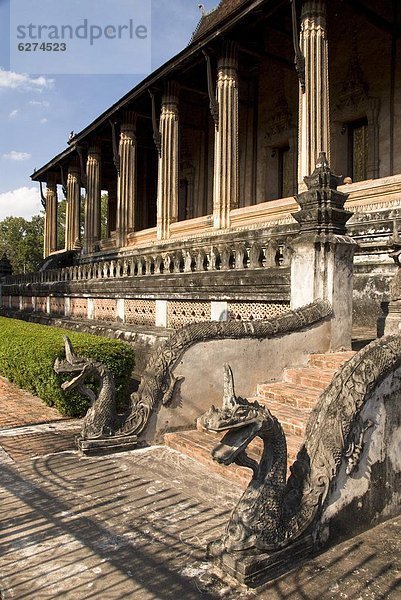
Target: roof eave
[{"x": 194, "y": 47}]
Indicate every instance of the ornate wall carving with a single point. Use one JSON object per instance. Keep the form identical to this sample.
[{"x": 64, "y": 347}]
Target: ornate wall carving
[
  {"x": 57, "y": 306},
  {"x": 180, "y": 313},
  {"x": 255, "y": 311},
  {"x": 104, "y": 309},
  {"x": 41, "y": 304},
  {"x": 352, "y": 103},
  {"x": 79, "y": 308},
  {"x": 140, "y": 312}
]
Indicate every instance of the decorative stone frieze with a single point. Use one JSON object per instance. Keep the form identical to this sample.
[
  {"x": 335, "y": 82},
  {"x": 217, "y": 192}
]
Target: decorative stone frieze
[
  {"x": 225, "y": 186},
  {"x": 125, "y": 215},
  {"x": 168, "y": 183},
  {"x": 314, "y": 131}
]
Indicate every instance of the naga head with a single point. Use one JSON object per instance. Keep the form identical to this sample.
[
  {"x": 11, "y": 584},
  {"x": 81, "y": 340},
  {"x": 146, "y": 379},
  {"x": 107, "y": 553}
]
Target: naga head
[
  {"x": 241, "y": 419},
  {"x": 75, "y": 364}
]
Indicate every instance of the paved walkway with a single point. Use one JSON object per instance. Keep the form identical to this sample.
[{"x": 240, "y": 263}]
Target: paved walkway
[
  {"x": 136, "y": 525},
  {"x": 18, "y": 407}
]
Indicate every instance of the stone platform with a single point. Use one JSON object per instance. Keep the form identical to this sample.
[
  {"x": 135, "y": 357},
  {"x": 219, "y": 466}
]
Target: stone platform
[{"x": 136, "y": 526}]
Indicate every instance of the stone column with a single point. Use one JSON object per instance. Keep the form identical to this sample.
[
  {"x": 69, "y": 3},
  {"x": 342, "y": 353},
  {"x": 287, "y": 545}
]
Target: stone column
[
  {"x": 73, "y": 209},
  {"x": 225, "y": 184},
  {"x": 322, "y": 260},
  {"x": 93, "y": 199},
  {"x": 50, "y": 237},
  {"x": 167, "y": 177},
  {"x": 126, "y": 185},
  {"x": 314, "y": 132},
  {"x": 111, "y": 210}
]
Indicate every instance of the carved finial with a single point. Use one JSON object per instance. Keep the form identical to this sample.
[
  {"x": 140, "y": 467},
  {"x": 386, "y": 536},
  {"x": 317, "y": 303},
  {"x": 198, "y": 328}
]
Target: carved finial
[
  {"x": 202, "y": 9},
  {"x": 322, "y": 177},
  {"x": 69, "y": 351},
  {"x": 229, "y": 391}
]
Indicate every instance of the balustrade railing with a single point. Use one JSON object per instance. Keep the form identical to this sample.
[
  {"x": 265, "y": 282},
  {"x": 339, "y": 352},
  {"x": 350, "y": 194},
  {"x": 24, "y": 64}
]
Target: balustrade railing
[{"x": 226, "y": 256}]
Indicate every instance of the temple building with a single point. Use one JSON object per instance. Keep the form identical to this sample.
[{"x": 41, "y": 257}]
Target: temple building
[{"x": 201, "y": 161}]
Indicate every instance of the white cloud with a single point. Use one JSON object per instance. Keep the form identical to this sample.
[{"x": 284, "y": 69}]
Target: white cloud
[
  {"x": 43, "y": 103},
  {"x": 13, "y": 113},
  {"x": 14, "y": 155},
  {"x": 22, "y": 202},
  {"x": 44, "y": 120},
  {"x": 11, "y": 80}
]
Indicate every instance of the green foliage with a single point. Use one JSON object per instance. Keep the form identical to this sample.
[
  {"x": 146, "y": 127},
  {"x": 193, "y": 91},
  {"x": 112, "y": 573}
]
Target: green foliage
[
  {"x": 22, "y": 241},
  {"x": 28, "y": 352}
]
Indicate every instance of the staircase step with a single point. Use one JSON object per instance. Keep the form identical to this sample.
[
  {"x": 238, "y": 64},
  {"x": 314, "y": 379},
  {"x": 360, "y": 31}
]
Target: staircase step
[
  {"x": 199, "y": 444},
  {"x": 330, "y": 360},
  {"x": 288, "y": 393},
  {"x": 292, "y": 419},
  {"x": 309, "y": 377}
]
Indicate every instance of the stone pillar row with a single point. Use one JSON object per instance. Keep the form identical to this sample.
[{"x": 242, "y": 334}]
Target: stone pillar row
[{"x": 314, "y": 136}]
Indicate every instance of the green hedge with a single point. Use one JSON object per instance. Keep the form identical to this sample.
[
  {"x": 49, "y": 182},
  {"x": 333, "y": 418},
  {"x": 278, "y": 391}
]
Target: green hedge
[{"x": 28, "y": 352}]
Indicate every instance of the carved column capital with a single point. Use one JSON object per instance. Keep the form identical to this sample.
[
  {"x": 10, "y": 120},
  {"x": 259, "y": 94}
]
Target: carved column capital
[
  {"x": 314, "y": 9},
  {"x": 128, "y": 124}
]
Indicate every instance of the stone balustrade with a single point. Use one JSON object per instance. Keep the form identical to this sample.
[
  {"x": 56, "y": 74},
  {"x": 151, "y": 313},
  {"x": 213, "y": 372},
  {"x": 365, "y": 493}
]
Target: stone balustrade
[{"x": 225, "y": 256}]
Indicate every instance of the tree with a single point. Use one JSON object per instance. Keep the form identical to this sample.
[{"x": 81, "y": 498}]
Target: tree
[{"x": 22, "y": 241}]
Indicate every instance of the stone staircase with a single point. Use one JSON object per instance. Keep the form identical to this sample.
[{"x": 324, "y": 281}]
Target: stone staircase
[{"x": 290, "y": 400}]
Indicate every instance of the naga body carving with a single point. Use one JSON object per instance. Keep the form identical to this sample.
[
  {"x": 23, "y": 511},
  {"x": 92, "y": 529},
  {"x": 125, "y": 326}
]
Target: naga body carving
[
  {"x": 274, "y": 512},
  {"x": 101, "y": 421},
  {"x": 158, "y": 383}
]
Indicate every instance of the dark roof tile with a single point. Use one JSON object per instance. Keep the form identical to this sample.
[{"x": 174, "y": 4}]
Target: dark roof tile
[{"x": 215, "y": 16}]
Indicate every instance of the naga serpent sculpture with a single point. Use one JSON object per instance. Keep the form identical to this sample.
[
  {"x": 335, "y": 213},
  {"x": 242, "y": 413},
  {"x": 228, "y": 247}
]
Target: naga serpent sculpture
[
  {"x": 101, "y": 420},
  {"x": 258, "y": 520},
  {"x": 274, "y": 512}
]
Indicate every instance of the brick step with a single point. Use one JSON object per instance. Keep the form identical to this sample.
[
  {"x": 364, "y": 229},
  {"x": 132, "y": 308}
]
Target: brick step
[
  {"x": 310, "y": 377},
  {"x": 289, "y": 394},
  {"x": 331, "y": 360},
  {"x": 293, "y": 420},
  {"x": 199, "y": 444}
]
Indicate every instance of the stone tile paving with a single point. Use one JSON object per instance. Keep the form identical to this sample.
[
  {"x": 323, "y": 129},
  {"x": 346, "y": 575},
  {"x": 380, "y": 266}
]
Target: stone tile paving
[
  {"x": 128, "y": 526},
  {"x": 135, "y": 525},
  {"x": 21, "y": 443},
  {"x": 19, "y": 407}
]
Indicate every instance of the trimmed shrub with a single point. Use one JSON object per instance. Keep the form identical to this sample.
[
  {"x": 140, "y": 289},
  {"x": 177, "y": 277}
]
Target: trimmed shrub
[{"x": 28, "y": 352}]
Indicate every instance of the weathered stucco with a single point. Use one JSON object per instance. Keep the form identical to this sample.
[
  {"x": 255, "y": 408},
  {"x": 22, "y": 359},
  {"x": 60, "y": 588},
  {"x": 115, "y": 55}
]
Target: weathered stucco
[{"x": 373, "y": 492}]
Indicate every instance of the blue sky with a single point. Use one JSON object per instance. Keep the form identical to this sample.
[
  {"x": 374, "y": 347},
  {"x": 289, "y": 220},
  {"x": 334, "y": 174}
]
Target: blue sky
[{"x": 38, "y": 111}]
